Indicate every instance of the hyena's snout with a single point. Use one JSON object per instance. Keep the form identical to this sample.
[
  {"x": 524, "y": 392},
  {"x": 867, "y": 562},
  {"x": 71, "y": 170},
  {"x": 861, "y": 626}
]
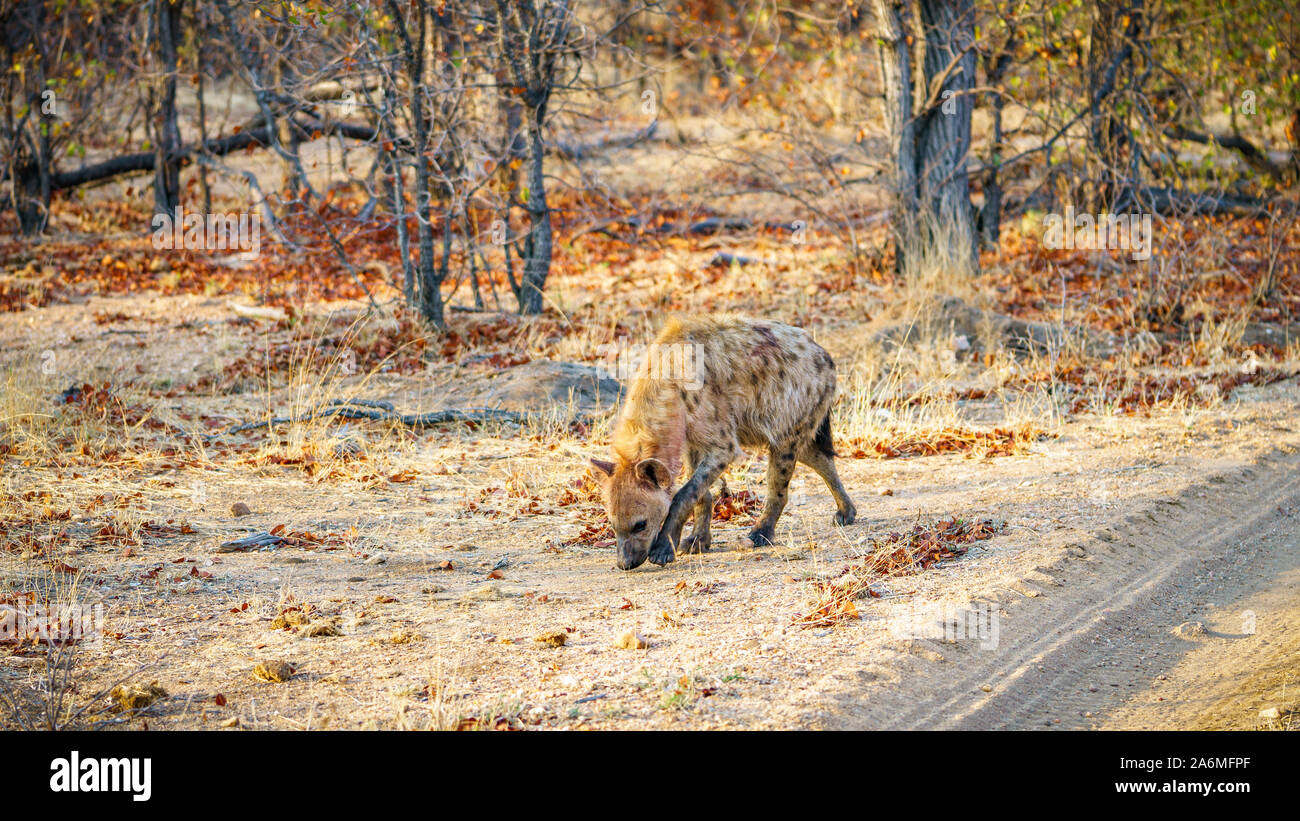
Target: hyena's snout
[{"x": 632, "y": 553}]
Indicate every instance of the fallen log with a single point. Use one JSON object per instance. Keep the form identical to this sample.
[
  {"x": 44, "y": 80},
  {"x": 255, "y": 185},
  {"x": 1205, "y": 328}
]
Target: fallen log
[
  {"x": 379, "y": 411},
  {"x": 217, "y": 146}
]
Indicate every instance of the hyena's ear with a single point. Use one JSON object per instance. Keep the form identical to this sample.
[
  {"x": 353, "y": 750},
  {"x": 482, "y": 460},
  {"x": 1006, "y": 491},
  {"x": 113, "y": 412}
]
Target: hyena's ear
[
  {"x": 654, "y": 472},
  {"x": 603, "y": 470}
]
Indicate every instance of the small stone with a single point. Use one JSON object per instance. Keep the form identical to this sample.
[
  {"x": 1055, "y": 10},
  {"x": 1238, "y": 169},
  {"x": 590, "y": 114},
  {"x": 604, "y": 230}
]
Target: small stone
[
  {"x": 1190, "y": 629},
  {"x": 552, "y": 638},
  {"x": 886, "y": 491},
  {"x": 239, "y": 509},
  {"x": 1270, "y": 713},
  {"x": 632, "y": 640},
  {"x": 986, "y": 688},
  {"x": 378, "y": 558},
  {"x": 233, "y": 721}
]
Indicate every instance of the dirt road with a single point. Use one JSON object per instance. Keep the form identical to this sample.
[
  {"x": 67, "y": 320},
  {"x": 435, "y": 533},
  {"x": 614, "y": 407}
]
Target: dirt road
[{"x": 1186, "y": 617}]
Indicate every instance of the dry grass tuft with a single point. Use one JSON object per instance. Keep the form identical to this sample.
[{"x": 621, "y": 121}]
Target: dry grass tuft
[{"x": 898, "y": 554}]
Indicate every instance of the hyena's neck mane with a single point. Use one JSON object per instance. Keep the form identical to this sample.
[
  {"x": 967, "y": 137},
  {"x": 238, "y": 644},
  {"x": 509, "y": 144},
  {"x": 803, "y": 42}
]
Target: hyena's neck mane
[{"x": 652, "y": 425}]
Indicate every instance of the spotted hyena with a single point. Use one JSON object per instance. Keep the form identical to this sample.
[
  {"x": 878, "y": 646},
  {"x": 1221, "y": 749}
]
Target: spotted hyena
[{"x": 743, "y": 383}]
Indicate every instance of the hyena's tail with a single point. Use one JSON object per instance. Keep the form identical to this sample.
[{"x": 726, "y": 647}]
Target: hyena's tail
[{"x": 823, "y": 437}]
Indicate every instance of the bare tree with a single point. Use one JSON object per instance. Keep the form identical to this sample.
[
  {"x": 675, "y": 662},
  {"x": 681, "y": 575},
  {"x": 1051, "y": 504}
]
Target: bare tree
[
  {"x": 533, "y": 38},
  {"x": 927, "y": 63},
  {"x": 165, "y": 33}
]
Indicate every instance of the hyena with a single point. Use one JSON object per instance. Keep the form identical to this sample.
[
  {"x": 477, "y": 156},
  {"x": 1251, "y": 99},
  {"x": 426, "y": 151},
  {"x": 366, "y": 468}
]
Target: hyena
[{"x": 757, "y": 383}]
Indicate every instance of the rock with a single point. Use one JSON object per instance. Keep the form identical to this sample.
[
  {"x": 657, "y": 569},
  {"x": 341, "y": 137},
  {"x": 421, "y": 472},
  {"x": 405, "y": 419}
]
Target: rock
[
  {"x": 274, "y": 671},
  {"x": 378, "y": 558},
  {"x": 950, "y": 318},
  {"x": 233, "y": 721},
  {"x": 552, "y": 638},
  {"x": 535, "y": 385},
  {"x": 239, "y": 509},
  {"x": 631, "y": 640},
  {"x": 1270, "y": 714},
  {"x": 986, "y": 688},
  {"x": 1190, "y": 629}
]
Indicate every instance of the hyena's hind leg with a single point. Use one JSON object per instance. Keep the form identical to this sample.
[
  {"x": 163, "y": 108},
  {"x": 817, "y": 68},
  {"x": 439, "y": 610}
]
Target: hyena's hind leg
[
  {"x": 700, "y": 538},
  {"x": 780, "y": 467},
  {"x": 819, "y": 454}
]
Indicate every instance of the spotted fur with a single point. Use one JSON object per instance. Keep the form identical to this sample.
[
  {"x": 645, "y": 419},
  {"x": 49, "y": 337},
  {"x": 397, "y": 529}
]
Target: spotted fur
[{"x": 759, "y": 384}]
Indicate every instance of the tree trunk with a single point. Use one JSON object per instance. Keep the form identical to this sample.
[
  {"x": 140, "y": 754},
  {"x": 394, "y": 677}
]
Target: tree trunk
[
  {"x": 896, "y": 77},
  {"x": 929, "y": 125},
  {"x": 167, "y": 135},
  {"x": 537, "y": 262},
  {"x": 1110, "y": 55}
]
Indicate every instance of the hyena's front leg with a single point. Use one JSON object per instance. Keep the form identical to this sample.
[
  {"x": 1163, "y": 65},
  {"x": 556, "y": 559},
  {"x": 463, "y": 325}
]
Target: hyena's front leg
[
  {"x": 700, "y": 538},
  {"x": 780, "y": 467},
  {"x": 691, "y": 494}
]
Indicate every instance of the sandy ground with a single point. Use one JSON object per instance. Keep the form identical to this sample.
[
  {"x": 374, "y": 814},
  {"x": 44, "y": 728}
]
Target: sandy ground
[{"x": 1117, "y": 532}]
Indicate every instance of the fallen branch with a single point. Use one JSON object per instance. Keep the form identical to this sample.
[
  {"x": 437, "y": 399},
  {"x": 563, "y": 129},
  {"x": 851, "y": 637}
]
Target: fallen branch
[
  {"x": 1253, "y": 156},
  {"x": 263, "y": 539},
  {"x": 582, "y": 150},
  {"x": 723, "y": 259},
  {"x": 1177, "y": 201},
  {"x": 216, "y": 147},
  {"x": 378, "y": 411}
]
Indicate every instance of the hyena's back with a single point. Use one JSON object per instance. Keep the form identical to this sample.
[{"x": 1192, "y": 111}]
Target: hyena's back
[{"x": 762, "y": 381}]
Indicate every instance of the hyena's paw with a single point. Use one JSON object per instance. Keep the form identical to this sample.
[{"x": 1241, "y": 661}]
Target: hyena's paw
[
  {"x": 661, "y": 552},
  {"x": 846, "y": 517},
  {"x": 696, "y": 544},
  {"x": 761, "y": 537}
]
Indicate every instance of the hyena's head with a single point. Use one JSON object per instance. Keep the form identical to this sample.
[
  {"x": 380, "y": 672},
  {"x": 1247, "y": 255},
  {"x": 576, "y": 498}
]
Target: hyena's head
[{"x": 636, "y": 498}]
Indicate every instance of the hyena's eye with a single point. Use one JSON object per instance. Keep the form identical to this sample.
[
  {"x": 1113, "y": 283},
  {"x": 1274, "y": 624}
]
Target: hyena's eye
[{"x": 639, "y": 526}]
